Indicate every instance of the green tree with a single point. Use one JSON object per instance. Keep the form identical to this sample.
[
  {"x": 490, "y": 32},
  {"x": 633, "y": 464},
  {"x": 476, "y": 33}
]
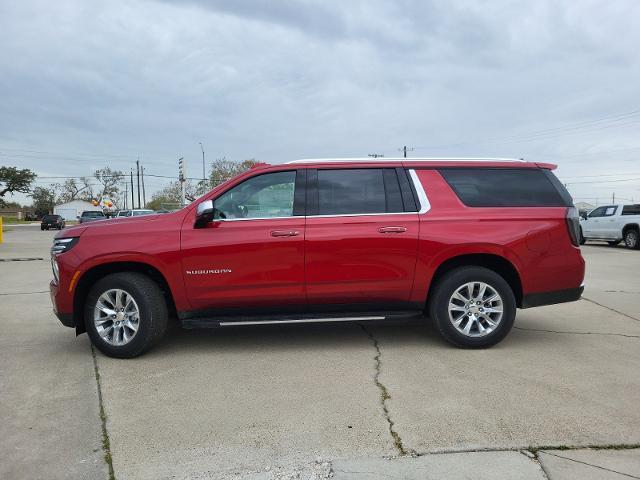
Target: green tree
[
  {"x": 14, "y": 180},
  {"x": 170, "y": 196},
  {"x": 44, "y": 199}
]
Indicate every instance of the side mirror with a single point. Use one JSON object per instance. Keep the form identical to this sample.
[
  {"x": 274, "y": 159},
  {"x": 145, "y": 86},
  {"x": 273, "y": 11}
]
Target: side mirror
[{"x": 204, "y": 213}]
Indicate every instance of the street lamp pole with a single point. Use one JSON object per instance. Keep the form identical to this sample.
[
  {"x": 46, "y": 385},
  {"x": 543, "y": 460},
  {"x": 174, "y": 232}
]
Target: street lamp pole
[{"x": 203, "y": 173}]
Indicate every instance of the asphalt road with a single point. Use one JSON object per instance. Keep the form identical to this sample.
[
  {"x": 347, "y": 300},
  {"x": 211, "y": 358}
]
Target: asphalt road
[{"x": 302, "y": 401}]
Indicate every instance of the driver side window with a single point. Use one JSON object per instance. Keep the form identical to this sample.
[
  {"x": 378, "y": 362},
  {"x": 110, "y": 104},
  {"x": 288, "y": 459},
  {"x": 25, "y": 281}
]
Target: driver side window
[
  {"x": 264, "y": 196},
  {"x": 598, "y": 212}
]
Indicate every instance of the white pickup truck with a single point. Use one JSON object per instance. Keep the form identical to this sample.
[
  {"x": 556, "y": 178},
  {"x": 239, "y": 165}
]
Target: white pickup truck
[{"x": 613, "y": 224}]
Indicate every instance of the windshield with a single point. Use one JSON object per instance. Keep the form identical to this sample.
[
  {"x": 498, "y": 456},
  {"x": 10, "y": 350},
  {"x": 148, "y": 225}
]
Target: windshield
[
  {"x": 137, "y": 213},
  {"x": 92, "y": 214}
]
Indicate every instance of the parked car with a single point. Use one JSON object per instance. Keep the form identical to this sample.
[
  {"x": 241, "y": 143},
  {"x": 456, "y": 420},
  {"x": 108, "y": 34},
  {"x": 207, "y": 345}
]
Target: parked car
[
  {"x": 52, "y": 221},
  {"x": 136, "y": 212},
  {"x": 464, "y": 241},
  {"x": 613, "y": 224},
  {"x": 91, "y": 216}
]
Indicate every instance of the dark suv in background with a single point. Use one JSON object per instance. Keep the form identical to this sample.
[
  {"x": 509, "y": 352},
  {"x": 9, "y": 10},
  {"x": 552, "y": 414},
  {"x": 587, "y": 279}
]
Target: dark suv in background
[
  {"x": 91, "y": 215},
  {"x": 52, "y": 221}
]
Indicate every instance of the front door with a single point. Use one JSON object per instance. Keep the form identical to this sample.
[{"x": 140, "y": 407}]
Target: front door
[
  {"x": 361, "y": 242},
  {"x": 252, "y": 253}
]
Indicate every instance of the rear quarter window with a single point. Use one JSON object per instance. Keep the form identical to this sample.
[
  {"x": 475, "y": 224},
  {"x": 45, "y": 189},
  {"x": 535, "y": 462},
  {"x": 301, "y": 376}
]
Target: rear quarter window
[
  {"x": 506, "y": 187},
  {"x": 631, "y": 209}
]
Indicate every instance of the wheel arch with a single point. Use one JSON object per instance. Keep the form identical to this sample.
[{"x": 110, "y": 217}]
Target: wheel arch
[
  {"x": 97, "y": 272},
  {"x": 496, "y": 263},
  {"x": 628, "y": 227}
]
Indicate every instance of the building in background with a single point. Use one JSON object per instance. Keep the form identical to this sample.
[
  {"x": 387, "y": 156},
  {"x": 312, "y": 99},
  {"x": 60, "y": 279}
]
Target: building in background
[{"x": 73, "y": 209}]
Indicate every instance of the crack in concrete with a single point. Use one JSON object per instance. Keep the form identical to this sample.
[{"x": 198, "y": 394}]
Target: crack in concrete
[
  {"x": 611, "y": 309},
  {"x": 577, "y": 333},
  {"x": 106, "y": 444},
  {"x": 384, "y": 395},
  {"x": 25, "y": 293},
  {"x": 590, "y": 465}
]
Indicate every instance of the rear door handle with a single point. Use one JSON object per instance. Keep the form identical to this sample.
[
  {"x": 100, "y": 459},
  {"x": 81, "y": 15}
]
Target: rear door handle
[
  {"x": 284, "y": 233},
  {"x": 392, "y": 229}
]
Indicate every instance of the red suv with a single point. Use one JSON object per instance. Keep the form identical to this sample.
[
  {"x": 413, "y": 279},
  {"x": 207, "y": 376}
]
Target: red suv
[{"x": 466, "y": 241}]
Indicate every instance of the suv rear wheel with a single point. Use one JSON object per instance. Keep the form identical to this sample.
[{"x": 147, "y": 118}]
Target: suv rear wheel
[
  {"x": 125, "y": 314},
  {"x": 632, "y": 239},
  {"x": 473, "y": 307}
]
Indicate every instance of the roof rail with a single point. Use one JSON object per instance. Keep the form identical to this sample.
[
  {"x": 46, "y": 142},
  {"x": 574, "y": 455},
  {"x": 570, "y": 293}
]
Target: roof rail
[{"x": 434, "y": 159}]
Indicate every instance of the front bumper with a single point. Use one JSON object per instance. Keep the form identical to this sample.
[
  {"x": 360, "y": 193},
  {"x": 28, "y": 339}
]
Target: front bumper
[
  {"x": 551, "y": 298},
  {"x": 65, "y": 318}
]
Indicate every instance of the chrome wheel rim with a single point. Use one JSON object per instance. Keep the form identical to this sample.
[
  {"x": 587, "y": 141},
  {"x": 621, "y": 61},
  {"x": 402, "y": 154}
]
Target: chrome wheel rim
[
  {"x": 116, "y": 317},
  {"x": 631, "y": 239},
  {"x": 475, "y": 309}
]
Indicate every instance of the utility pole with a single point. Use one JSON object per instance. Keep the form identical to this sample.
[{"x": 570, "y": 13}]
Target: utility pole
[
  {"x": 144, "y": 197},
  {"x": 613, "y": 198},
  {"x": 405, "y": 149},
  {"x": 204, "y": 176},
  {"x": 181, "y": 178},
  {"x": 133, "y": 204},
  {"x": 126, "y": 194},
  {"x": 138, "y": 179}
]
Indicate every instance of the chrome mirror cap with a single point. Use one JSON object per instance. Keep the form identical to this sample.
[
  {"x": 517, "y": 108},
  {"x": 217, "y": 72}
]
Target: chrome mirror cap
[{"x": 204, "y": 208}]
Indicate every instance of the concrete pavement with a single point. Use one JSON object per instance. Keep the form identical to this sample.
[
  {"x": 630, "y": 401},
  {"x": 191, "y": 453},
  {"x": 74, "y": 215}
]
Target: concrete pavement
[{"x": 303, "y": 401}]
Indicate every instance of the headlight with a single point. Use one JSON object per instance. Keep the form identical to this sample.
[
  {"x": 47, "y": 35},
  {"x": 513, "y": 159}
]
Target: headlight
[{"x": 61, "y": 245}]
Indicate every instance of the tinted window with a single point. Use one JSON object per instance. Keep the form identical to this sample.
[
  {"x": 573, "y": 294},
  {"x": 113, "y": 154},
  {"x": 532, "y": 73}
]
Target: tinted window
[
  {"x": 598, "y": 212},
  {"x": 263, "y": 196},
  {"x": 351, "y": 191},
  {"x": 50, "y": 218},
  {"x": 495, "y": 187},
  {"x": 92, "y": 214},
  {"x": 631, "y": 209}
]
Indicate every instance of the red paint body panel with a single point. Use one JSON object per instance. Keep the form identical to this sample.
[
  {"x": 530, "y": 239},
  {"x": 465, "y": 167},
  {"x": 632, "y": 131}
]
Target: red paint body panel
[{"x": 336, "y": 259}]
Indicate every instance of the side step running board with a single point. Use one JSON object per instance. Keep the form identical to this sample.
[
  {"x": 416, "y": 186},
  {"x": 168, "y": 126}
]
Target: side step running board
[{"x": 301, "y": 320}]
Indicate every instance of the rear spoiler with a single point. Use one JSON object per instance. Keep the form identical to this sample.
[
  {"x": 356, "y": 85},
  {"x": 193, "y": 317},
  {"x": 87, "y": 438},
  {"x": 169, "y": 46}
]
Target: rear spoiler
[{"x": 547, "y": 166}]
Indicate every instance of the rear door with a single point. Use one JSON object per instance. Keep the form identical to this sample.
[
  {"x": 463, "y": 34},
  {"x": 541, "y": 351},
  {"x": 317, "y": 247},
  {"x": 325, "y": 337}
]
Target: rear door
[{"x": 361, "y": 237}]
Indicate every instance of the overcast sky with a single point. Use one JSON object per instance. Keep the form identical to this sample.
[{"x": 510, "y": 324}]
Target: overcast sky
[{"x": 88, "y": 84}]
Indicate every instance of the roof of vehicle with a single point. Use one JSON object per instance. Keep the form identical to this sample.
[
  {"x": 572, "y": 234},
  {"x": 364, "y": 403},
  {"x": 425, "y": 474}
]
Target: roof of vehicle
[{"x": 432, "y": 162}]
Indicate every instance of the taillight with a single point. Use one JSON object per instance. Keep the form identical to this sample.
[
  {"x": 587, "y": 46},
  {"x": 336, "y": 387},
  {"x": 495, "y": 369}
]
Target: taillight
[{"x": 573, "y": 225}]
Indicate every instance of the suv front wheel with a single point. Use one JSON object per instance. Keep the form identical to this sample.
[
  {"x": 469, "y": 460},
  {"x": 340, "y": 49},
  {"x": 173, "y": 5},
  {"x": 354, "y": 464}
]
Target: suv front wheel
[
  {"x": 125, "y": 314},
  {"x": 473, "y": 307}
]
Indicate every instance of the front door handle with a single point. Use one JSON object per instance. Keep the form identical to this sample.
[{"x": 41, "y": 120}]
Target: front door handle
[
  {"x": 284, "y": 233},
  {"x": 392, "y": 229}
]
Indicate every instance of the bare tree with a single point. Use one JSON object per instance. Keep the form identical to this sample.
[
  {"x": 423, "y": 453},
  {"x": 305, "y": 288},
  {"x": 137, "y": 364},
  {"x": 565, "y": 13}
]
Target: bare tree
[
  {"x": 72, "y": 190},
  {"x": 110, "y": 181},
  {"x": 223, "y": 169}
]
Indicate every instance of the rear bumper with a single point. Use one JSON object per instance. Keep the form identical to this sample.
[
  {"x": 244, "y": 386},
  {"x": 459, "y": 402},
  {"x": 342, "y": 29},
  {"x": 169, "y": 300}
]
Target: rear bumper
[{"x": 551, "y": 298}]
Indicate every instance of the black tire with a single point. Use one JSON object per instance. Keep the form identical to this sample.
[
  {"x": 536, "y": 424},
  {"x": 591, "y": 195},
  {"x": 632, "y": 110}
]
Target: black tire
[
  {"x": 42, "y": 228},
  {"x": 632, "y": 239},
  {"x": 445, "y": 288},
  {"x": 582, "y": 239},
  {"x": 152, "y": 308}
]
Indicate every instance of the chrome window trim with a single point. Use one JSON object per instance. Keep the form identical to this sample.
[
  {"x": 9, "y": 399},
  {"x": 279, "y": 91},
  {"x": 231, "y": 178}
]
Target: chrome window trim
[{"x": 425, "y": 206}]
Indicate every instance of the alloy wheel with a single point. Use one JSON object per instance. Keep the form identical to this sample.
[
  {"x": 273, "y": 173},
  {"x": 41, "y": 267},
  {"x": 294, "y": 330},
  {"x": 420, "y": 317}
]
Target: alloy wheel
[
  {"x": 475, "y": 309},
  {"x": 116, "y": 317}
]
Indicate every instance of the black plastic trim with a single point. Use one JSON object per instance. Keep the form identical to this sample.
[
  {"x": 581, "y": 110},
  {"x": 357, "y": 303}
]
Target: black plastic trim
[
  {"x": 299, "y": 195},
  {"x": 66, "y": 319},
  {"x": 551, "y": 298}
]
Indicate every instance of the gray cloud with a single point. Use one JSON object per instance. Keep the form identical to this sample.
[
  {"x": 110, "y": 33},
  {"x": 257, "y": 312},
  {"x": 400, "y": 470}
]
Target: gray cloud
[{"x": 91, "y": 83}]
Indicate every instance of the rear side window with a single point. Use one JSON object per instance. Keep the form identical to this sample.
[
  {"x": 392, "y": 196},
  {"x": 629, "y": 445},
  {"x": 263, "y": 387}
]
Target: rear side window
[
  {"x": 357, "y": 191},
  {"x": 506, "y": 187},
  {"x": 631, "y": 209}
]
